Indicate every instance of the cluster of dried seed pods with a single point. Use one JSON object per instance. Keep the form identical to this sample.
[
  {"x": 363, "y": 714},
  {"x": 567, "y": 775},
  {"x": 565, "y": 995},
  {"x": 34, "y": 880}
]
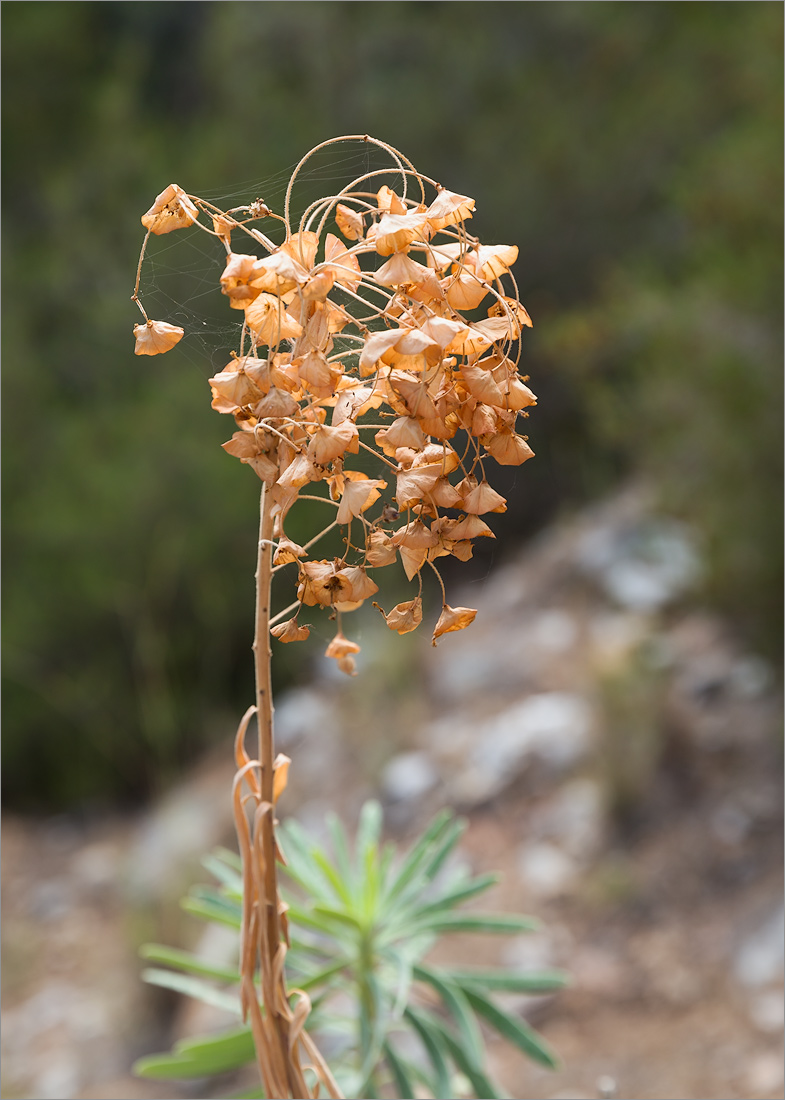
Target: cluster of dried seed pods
[{"x": 377, "y": 369}]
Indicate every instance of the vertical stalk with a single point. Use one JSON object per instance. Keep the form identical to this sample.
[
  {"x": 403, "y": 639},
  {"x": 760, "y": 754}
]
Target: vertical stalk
[
  {"x": 270, "y": 935},
  {"x": 261, "y": 648},
  {"x": 278, "y": 1033}
]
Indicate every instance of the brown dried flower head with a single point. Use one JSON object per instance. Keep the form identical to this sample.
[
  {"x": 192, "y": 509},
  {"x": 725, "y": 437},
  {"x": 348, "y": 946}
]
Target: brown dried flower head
[{"x": 365, "y": 377}]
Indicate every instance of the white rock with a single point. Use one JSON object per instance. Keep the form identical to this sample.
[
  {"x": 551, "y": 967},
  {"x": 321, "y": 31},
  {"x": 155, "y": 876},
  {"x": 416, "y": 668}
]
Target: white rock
[
  {"x": 408, "y": 776},
  {"x": 532, "y": 951},
  {"x": 764, "y": 1074},
  {"x": 554, "y": 631},
  {"x": 642, "y": 567},
  {"x": 302, "y": 713},
  {"x": 759, "y": 959},
  {"x": 553, "y": 727},
  {"x": 173, "y": 837},
  {"x": 767, "y": 1010},
  {"x": 607, "y": 1088},
  {"x": 59, "y": 1077},
  {"x": 730, "y": 823},
  {"x": 750, "y": 677},
  {"x": 545, "y": 869},
  {"x": 574, "y": 818},
  {"x": 463, "y": 671}
]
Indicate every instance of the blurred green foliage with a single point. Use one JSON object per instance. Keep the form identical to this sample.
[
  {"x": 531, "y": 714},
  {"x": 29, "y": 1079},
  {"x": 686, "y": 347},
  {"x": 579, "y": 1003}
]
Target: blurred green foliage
[
  {"x": 361, "y": 923},
  {"x": 633, "y": 151}
]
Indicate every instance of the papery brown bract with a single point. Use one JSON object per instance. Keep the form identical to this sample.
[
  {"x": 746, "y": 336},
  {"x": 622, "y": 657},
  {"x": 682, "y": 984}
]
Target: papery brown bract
[
  {"x": 389, "y": 202},
  {"x": 470, "y": 527},
  {"x": 323, "y": 582},
  {"x": 509, "y": 449},
  {"x": 290, "y": 631},
  {"x": 349, "y": 222},
  {"x": 328, "y": 443},
  {"x": 448, "y": 209},
  {"x": 280, "y": 774},
  {"x": 453, "y": 618},
  {"x": 172, "y": 209},
  {"x": 342, "y": 650},
  {"x": 480, "y": 498},
  {"x": 278, "y": 274},
  {"x": 413, "y": 485},
  {"x": 379, "y": 549},
  {"x": 269, "y": 321},
  {"x": 342, "y": 264},
  {"x": 395, "y": 232},
  {"x": 302, "y": 247},
  {"x": 236, "y": 279},
  {"x": 156, "y": 337},
  {"x": 357, "y": 497},
  {"x": 406, "y": 616},
  {"x": 287, "y": 551}
]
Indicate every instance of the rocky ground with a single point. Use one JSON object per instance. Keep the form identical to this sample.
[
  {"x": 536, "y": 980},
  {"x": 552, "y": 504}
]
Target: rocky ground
[{"x": 618, "y": 757}]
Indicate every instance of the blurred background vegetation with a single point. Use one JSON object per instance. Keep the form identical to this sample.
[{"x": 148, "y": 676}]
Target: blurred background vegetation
[{"x": 632, "y": 151}]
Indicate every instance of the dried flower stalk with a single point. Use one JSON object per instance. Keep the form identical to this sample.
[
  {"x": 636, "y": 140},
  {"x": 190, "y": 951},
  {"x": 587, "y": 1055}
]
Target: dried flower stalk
[{"x": 355, "y": 345}]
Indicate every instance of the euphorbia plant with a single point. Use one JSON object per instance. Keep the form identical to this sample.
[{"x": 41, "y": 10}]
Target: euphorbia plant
[{"x": 359, "y": 349}]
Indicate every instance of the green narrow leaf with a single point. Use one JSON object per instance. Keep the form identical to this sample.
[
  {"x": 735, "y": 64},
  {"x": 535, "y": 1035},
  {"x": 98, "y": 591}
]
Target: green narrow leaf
[
  {"x": 217, "y": 898},
  {"x": 322, "y": 922},
  {"x": 431, "y": 1040},
  {"x": 454, "y": 1000},
  {"x": 534, "y": 981},
  {"x": 209, "y": 911},
  {"x": 417, "y": 1073},
  {"x": 514, "y": 1030},
  {"x": 385, "y": 863},
  {"x": 227, "y": 876},
  {"x": 230, "y": 858},
  {"x": 403, "y": 1082},
  {"x": 295, "y": 874},
  {"x": 417, "y": 856},
  {"x": 335, "y": 878},
  {"x": 201, "y": 1057},
  {"x": 298, "y": 849},
  {"x": 300, "y": 941},
  {"x": 501, "y": 923},
  {"x": 183, "y": 960},
  {"x": 367, "y": 857},
  {"x": 370, "y": 884},
  {"x": 231, "y": 1048},
  {"x": 369, "y": 828},
  {"x": 431, "y": 862},
  {"x": 457, "y": 895},
  {"x": 436, "y": 862},
  {"x": 167, "y": 1066},
  {"x": 341, "y": 850},
  {"x": 321, "y": 976},
  {"x": 403, "y": 966},
  {"x": 192, "y": 987},
  {"x": 483, "y": 1086},
  {"x": 339, "y": 915}
]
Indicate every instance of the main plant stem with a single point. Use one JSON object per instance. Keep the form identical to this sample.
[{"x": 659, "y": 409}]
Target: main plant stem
[
  {"x": 261, "y": 649},
  {"x": 280, "y": 1039},
  {"x": 270, "y": 934}
]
